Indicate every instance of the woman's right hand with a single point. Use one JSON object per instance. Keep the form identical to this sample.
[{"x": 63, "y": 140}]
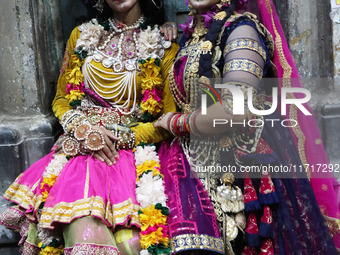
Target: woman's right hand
[
  {"x": 163, "y": 121},
  {"x": 108, "y": 154}
]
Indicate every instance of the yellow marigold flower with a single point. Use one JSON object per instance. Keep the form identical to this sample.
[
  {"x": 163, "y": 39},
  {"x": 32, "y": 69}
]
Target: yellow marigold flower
[
  {"x": 52, "y": 250},
  {"x": 74, "y": 95},
  {"x": 153, "y": 238},
  {"x": 151, "y": 105},
  {"x": 75, "y": 60},
  {"x": 149, "y": 83},
  {"x": 150, "y": 69},
  {"x": 148, "y": 165},
  {"x": 151, "y": 217},
  {"x": 45, "y": 195},
  {"x": 50, "y": 180},
  {"x": 75, "y": 75}
]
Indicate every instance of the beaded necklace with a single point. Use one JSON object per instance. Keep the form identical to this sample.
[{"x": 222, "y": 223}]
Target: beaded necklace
[{"x": 110, "y": 54}]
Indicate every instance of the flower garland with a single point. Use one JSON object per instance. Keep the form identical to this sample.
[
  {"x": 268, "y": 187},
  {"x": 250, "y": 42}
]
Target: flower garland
[
  {"x": 50, "y": 243},
  {"x": 75, "y": 79},
  {"x": 88, "y": 40},
  {"x": 150, "y": 52},
  {"x": 150, "y": 193}
]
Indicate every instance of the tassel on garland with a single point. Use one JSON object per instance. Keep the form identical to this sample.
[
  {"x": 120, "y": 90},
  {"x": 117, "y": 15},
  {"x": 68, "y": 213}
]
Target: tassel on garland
[
  {"x": 250, "y": 197},
  {"x": 249, "y": 251},
  {"x": 266, "y": 228},
  {"x": 267, "y": 195},
  {"x": 252, "y": 231},
  {"x": 267, "y": 248}
]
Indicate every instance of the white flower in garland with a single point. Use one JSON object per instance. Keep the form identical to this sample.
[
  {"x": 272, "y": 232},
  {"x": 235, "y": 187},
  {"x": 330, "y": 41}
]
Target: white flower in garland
[
  {"x": 150, "y": 44},
  {"x": 143, "y": 154},
  {"x": 56, "y": 165},
  {"x": 150, "y": 190},
  {"x": 90, "y": 35}
]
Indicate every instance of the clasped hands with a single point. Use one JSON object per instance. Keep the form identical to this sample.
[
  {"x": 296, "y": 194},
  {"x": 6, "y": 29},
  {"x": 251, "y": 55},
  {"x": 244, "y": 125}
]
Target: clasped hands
[{"x": 108, "y": 154}]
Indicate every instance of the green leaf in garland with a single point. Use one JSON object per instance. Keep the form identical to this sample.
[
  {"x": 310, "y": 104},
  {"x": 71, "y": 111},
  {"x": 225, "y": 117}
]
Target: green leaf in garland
[
  {"x": 142, "y": 61},
  {"x": 145, "y": 144},
  {"x": 55, "y": 243},
  {"x": 140, "y": 176},
  {"x": 140, "y": 212},
  {"x": 105, "y": 24},
  {"x": 159, "y": 249},
  {"x": 165, "y": 210},
  {"x": 157, "y": 62},
  {"x": 148, "y": 117},
  {"x": 75, "y": 102},
  {"x": 81, "y": 53},
  {"x": 41, "y": 206}
]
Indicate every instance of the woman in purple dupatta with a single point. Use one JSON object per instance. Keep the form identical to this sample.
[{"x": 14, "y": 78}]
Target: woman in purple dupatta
[{"x": 277, "y": 213}]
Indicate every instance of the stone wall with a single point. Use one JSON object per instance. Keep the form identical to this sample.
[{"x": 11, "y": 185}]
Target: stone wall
[{"x": 31, "y": 53}]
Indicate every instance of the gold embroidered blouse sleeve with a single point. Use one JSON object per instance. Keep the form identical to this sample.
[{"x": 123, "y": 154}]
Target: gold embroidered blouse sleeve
[
  {"x": 60, "y": 105},
  {"x": 145, "y": 132}
]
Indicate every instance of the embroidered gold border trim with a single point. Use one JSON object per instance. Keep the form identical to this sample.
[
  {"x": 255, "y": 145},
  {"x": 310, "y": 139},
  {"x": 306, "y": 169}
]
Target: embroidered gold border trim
[
  {"x": 245, "y": 44},
  {"x": 93, "y": 206},
  {"x": 196, "y": 241},
  {"x": 23, "y": 195},
  {"x": 91, "y": 248},
  {"x": 243, "y": 65}
]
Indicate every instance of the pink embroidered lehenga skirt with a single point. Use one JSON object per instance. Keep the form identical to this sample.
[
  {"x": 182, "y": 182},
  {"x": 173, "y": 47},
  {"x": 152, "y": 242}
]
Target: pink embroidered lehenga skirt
[{"x": 84, "y": 187}]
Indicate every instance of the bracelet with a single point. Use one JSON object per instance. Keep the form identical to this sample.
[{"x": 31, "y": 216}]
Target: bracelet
[
  {"x": 94, "y": 140},
  {"x": 81, "y": 131},
  {"x": 171, "y": 125},
  {"x": 126, "y": 140},
  {"x": 126, "y": 136},
  {"x": 71, "y": 147},
  {"x": 71, "y": 119},
  {"x": 177, "y": 133},
  {"x": 170, "y": 118},
  {"x": 186, "y": 123},
  {"x": 192, "y": 123},
  {"x": 181, "y": 126}
]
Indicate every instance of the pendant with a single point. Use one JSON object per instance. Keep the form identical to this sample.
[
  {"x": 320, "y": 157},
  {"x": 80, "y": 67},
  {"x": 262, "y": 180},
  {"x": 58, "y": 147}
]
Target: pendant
[
  {"x": 98, "y": 57},
  {"x": 118, "y": 67},
  {"x": 107, "y": 62}
]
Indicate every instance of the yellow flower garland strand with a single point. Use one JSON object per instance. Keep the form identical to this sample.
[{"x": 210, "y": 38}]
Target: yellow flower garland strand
[{"x": 153, "y": 216}]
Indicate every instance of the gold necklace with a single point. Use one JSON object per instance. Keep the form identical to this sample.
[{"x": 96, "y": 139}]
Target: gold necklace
[{"x": 199, "y": 31}]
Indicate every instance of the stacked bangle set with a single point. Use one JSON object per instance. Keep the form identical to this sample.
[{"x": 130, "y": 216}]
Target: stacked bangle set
[
  {"x": 183, "y": 124},
  {"x": 125, "y": 135}
]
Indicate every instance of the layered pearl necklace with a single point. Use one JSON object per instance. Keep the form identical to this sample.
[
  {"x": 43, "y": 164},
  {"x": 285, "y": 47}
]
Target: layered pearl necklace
[
  {"x": 105, "y": 51},
  {"x": 122, "y": 88}
]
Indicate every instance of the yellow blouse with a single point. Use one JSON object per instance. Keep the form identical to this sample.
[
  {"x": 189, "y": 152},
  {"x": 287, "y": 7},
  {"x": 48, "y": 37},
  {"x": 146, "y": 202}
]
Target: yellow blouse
[{"x": 144, "y": 132}]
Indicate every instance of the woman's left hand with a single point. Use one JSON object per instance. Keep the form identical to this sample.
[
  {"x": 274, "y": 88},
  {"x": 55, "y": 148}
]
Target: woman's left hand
[
  {"x": 163, "y": 121},
  {"x": 169, "y": 29}
]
